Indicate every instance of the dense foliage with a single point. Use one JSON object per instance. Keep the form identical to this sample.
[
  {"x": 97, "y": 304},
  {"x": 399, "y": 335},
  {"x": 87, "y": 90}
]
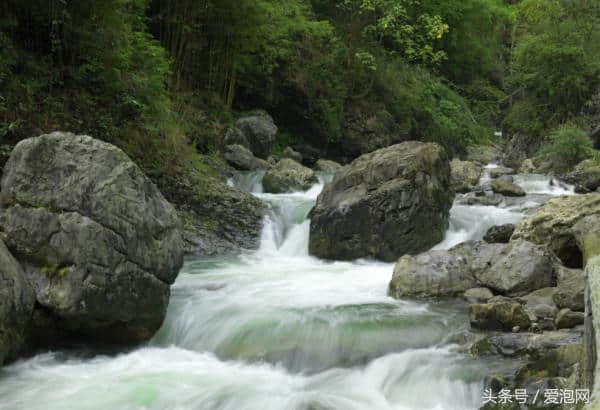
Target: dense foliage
[{"x": 160, "y": 76}]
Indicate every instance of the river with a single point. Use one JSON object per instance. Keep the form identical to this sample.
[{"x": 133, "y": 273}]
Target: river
[{"x": 278, "y": 329}]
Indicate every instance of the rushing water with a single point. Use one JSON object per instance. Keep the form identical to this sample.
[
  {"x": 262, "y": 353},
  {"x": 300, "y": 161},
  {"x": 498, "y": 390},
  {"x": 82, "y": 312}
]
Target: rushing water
[{"x": 277, "y": 329}]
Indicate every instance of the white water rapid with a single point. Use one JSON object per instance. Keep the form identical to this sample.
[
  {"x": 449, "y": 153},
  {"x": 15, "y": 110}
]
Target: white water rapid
[{"x": 277, "y": 329}]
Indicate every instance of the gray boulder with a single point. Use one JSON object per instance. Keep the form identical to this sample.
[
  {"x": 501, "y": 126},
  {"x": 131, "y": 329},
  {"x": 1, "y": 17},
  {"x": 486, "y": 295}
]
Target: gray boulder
[
  {"x": 96, "y": 238},
  {"x": 585, "y": 181},
  {"x": 289, "y": 152},
  {"x": 16, "y": 307},
  {"x": 474, "y": 198},
  {"x": 507, "y": 188},
  {"x": 433, "y": 274},
  {"x": 325, "y": 165},
  {"x": 256, "y": 132},
  {"x": 540, "y": 303},
  {"x": 243, "y": 159},
  {"x": 288, "y": 175},
  {"x": 519, "y": 268},
  {"x": 385, "y": 204},
  {"x": 465, "y": 175},
  {"x": 499, "y": 233}
]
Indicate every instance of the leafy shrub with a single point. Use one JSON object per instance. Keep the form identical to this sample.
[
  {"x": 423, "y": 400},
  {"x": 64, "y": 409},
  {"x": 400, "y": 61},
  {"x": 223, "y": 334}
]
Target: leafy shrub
[{"x": 571, "y": 143}]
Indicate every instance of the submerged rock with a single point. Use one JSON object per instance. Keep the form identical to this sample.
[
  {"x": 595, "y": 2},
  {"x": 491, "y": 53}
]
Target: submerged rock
[
  {"x": 16, "y": 307},
  {"x": 288, "y": 175},
  {"x": 96, "y": 238},
  {"x": 507, "y": 188},
  {"x": 385, "y": 204},
  {"x": 465, "y": 175},
  {"x": 499, "y": 233}
]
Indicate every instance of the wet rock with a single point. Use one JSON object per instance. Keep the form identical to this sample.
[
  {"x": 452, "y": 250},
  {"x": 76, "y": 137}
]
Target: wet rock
[
  {"x": 325, "y": 165},
  {"x": 519, "y": 268},
  {"x": 96, "y": 239},
  {"x": 16, "y": 307},
  {"x": 499, "y": 233},
  {"x": 571, "y": 289},
  {"x": 506, "y": 188},
  {"x": 478, "y": 295},
  {"x": 290, "y": 153},
  {"x": 242, "y": 159},
  {"x": 465, "y": 175},
  {"x": 498, "y": 314},
  {"x": 566, "y": 318},
  {"x": 385, "y": 204},
  {"x": 287, "y": 176}
]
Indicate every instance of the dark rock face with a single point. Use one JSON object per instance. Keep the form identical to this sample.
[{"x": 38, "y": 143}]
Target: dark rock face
[
  {"x": 368, "y": 129},
  {"x": 385, "y": 204},
  {"x": 288, "y": 175},
  {"x": 96, "y": 238},
  {"x": 16, "y": 307},
  {"x": 518, "y": 149},
  {"x": 499, "y": 233}
]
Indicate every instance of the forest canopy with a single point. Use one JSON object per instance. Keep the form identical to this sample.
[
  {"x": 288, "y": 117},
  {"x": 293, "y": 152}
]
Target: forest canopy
[{"x": 158, "y": 76}]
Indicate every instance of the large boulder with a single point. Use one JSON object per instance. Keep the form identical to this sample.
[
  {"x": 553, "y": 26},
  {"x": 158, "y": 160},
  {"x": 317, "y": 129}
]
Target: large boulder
[
  {"x": 514, "y": 269},
  {"x": 434, "y": 273},
  {"x": 562, "y": 224},
  {"x": 519, "y": 268},
  {"x": 385, "y": 204},
  {"x": 256, "y": 132},
  {"x": 506, "y": 188},
  {"x": 243, "y": 159},
  {"x": 97, "y": 240},
  {"x": 16, "y": 307},
  {"x": 288, "y": 175},
  {"x": 465, "y": 175}
]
